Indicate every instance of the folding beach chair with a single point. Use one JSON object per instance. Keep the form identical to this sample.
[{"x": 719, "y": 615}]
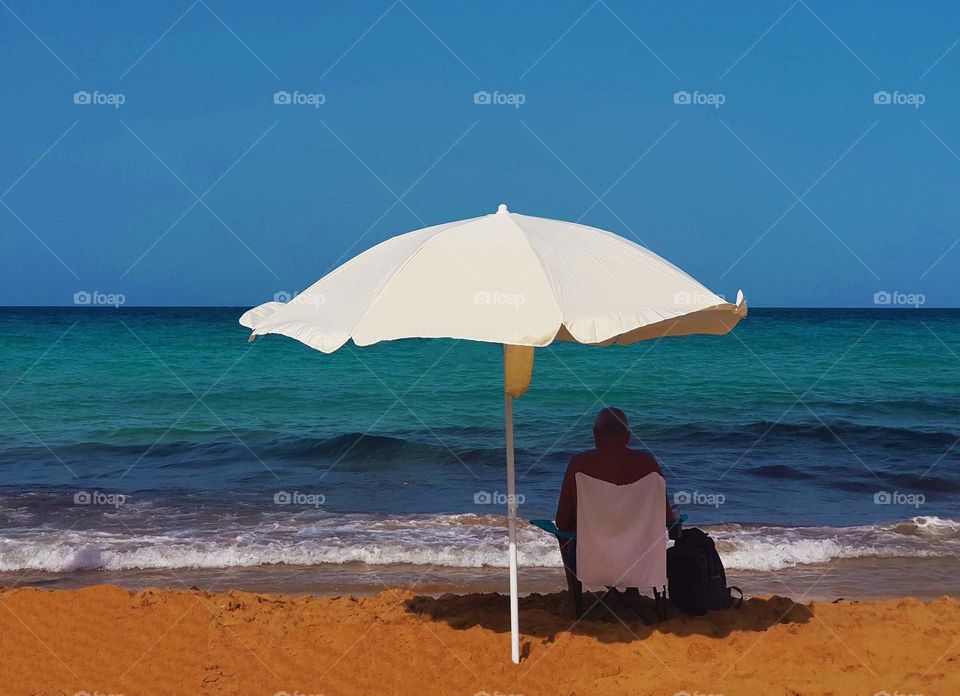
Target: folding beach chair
[{"x": 620, "y": 542}]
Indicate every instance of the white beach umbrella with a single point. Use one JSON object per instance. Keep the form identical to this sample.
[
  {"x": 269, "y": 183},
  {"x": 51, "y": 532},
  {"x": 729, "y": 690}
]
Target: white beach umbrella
[{"x": 505, "y": 278}]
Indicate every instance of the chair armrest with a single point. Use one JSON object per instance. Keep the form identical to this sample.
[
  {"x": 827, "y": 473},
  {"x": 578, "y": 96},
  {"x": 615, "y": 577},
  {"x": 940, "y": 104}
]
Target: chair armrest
[{"x": 551, "y": 528}]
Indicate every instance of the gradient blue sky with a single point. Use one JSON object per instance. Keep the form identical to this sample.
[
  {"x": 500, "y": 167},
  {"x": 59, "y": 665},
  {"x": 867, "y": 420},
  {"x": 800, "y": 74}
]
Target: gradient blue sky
[{"x": 99, "y": 198}]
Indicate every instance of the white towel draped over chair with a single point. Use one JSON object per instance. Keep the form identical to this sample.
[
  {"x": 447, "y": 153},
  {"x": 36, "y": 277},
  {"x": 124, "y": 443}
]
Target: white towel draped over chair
[{"x": 621, "y": 537}]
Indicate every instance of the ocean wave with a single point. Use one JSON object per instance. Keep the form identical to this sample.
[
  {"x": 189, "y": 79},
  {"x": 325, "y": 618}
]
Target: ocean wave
[
  {"x": 759, "y": 548},
  {"x": 457, "y": 541},
  {"x": 187, "y": 447},
  {"x": 70, "y": 558},
  {"x": 193, "y": 448},
  {"x": 779, "y": 471}
]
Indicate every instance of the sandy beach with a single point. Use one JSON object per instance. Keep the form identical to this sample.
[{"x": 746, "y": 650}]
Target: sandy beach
[{"x": 107, "y": 640}]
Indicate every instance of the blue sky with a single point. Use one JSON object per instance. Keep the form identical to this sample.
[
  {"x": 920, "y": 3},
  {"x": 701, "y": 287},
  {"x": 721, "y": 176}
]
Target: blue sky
[{"x": 798, "y": 188}]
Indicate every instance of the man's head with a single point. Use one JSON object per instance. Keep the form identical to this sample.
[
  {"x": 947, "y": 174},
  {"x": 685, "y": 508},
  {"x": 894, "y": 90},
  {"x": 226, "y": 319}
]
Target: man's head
[{"x": 610, "y": 428}]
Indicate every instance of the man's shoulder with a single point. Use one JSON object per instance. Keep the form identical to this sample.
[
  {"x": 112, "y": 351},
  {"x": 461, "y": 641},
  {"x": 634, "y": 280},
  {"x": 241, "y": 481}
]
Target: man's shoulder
[
  {"x": 645, "y": 459},
  {"x": 581, "y": 460},
  {"x": 641, "y": 454}
]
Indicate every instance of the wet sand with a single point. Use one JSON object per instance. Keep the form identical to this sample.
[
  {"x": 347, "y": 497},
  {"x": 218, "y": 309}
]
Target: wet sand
[{"x": 866, "y": 578}]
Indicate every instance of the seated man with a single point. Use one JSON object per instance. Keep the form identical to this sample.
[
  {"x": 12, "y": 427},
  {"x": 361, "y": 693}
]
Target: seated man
[{"x": 610, "y": 461}]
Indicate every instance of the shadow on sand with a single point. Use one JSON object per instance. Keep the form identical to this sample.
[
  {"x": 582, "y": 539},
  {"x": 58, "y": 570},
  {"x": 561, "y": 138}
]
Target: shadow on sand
[{"x": 610, "y": 620}]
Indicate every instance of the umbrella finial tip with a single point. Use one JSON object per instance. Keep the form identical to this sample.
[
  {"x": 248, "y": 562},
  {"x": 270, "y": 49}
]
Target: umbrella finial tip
[{"x": 502, "y": 208}]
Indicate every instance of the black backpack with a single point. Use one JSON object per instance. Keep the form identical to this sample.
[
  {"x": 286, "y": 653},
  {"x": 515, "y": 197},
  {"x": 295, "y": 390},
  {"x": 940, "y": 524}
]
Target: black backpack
[{"x": 695, "y": 574}]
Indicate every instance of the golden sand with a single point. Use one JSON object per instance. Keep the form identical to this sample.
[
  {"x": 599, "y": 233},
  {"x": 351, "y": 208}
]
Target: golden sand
[{"x": 106, "y": 640}]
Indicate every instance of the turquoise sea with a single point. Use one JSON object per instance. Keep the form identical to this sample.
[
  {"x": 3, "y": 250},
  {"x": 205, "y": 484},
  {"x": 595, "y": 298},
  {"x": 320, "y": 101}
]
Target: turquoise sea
[{"x": 145, "y": 440}]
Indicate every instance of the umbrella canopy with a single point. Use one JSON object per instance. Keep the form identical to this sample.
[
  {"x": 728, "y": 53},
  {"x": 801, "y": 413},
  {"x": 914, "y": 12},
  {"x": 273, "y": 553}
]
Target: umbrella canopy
[{"x": 503, "y": 278}]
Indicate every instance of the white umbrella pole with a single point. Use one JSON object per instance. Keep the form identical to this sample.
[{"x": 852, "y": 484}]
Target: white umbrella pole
[{"x": 512, "y": 523}]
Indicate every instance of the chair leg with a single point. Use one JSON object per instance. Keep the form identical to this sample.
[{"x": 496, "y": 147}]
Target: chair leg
[
  {"x": 661, "y": 602},
  {"x": 568, "y": 555}
]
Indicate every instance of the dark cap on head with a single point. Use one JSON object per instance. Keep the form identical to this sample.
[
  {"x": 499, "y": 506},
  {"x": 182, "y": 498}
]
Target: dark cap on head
[{"x": 611, "y": 421}]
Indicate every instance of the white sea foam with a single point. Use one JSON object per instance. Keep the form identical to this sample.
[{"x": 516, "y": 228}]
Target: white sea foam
[
  {"x": 460, "y": 541},
  {"x": 772, "y": 548},
  {"x": 69, "y": 559}
]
